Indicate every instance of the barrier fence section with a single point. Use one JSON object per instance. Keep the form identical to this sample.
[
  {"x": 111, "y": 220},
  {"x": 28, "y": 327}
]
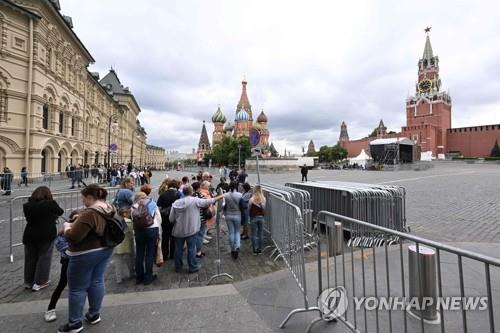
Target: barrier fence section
[
  {"x": 301, "y": 199},
  {"x": 287, "y": 233},
  {"x": 68, "y": 201},
  {"x": 381, "y": 205},
  {"x": 416, "y": 269},
  {"x": 218, "y": 262}
]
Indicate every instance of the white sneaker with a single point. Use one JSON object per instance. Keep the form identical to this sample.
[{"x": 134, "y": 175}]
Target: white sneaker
[
  {"x": 206, "y": 242},
  {"x": 50, "y": 315},
  {"x": 208, "y": 237},
  {"x": 38, "y": 287}
]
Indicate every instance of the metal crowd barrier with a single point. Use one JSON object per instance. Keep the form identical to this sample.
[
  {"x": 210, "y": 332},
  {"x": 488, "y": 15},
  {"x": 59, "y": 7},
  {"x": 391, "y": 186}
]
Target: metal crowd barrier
[
  {"x": 68, "y": 201},
  {"x": 301, "y": 199},
  {"x": 287, "y": 234},
  {"x": 381, "y": 205},
  {"x": 388, "y": 273},
  {"x": 219, "y": 273}
]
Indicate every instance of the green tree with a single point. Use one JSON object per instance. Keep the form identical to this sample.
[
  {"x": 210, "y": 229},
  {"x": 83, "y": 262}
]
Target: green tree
[
  {"x": 226, "y": 152},
  {"x": 495, "y": 152},
  {"x": 331, "y": 154}
]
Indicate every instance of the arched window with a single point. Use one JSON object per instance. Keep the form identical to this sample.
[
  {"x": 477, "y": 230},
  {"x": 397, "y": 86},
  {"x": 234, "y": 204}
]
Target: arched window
[
  {"x": 73, "y": 126},
  {"x": 45, "y": 117},
  {"x": 61, "y": 122}
]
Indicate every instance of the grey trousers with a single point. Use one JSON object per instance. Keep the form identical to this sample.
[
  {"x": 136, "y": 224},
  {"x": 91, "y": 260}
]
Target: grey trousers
[{"x": 37, "y": 259}]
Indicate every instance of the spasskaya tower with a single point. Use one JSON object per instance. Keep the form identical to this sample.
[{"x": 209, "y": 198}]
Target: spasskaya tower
[{"x": 428, "y": 111}]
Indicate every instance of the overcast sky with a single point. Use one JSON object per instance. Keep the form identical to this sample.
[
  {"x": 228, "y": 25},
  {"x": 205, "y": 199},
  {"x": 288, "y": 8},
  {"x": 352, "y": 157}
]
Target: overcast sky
[{"x": 309, "y": 64}]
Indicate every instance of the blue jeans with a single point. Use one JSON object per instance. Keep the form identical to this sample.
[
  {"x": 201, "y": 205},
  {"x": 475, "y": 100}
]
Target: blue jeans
[
  {"x": 191, "y": 255},
  {"x": 257, "y": 232},
  {"x": 200, "y": 236},
  {"x": 233, "y": 226},
  {"x": 145, "y": 253},
  {"x": 113, "y": 180},
  {"x": 86, "y": 278}
]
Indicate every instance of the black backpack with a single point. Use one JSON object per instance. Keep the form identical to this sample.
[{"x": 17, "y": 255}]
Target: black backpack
[{"x": 114, "y": 231}]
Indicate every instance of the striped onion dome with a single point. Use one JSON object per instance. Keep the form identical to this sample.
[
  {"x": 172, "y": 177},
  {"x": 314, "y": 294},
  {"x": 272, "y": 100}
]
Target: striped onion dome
[
  {"x": 242, "y": 115},
  {"x": 218, "y": 116}
]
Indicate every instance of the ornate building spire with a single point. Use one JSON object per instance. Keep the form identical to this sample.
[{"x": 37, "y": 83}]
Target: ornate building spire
[
  {"x": 310, "y": 148},
  {"x": 244, "y": 103},
  {"x": 204, "y": 143},
  {"x": 343, "y": 133}
]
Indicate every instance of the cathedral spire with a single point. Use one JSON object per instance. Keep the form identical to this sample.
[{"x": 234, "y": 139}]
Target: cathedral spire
[
  {"x": 244, "y": 103},
  {"x": 204, "y": 143}
]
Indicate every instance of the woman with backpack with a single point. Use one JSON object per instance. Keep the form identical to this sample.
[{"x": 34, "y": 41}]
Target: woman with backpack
[
  {"x": 88, "y": 258},
  {"x": 232, "y": 214},
  {"x": 146, "y": 218},
  {"x": 256, "y": 210}
]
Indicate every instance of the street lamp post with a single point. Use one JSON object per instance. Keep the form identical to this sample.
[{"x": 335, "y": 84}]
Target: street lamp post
[{"x": 112, "y": 119}]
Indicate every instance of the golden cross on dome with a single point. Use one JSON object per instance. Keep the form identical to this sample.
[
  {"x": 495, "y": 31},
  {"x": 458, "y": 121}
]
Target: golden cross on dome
[{"x": 427, "y": 29}]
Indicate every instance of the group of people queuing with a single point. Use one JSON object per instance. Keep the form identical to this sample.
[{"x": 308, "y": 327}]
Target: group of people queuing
[
  {"x": 100, "y": 174},
  {"x": 183, "y": 218}
]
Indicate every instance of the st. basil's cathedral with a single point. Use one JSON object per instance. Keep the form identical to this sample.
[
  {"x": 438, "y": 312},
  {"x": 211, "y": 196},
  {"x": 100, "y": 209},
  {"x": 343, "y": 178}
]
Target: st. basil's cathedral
[{"x": 242, "y": 126}]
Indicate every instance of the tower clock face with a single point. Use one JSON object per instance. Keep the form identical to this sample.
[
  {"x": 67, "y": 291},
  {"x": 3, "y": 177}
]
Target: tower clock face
[{"x": 425, "y": 86}]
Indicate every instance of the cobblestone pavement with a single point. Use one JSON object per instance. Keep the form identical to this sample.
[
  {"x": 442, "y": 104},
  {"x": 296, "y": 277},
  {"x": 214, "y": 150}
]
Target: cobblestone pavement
[{"x": 450, "y": 202}]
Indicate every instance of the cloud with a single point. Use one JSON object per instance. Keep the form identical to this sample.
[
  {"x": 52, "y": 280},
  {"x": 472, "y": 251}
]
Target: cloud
[{"x": 310, "y": 64}]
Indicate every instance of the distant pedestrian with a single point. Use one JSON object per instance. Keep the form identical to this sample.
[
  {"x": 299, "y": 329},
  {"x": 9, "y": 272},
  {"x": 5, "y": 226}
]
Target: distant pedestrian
[
  {"x": 62, "y": 245},
  {"x": 256, "y": 211},
  {"x": 232, "y": 213},
  {"x": 304, "y": 170},
  {"x": 185, "y": 215},
  {"x": 77, "y": 176},
  {"x": 24, "y": 176},
  {"x": 41, "y": 212},
  {"x": 88, "y": 258},
  {"x": 7, "y": 180}
]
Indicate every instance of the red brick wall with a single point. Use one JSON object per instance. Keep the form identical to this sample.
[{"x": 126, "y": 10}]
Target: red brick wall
[
  {"x": 354, "y": 147},
  {"x": 473, "y": 141}
]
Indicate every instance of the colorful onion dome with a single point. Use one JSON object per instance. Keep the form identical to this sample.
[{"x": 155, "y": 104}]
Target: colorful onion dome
[
  {"x": 242, "y": 116},
  {"x": 218, "y": 116},
  {"x": 262, "y": 118}
]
